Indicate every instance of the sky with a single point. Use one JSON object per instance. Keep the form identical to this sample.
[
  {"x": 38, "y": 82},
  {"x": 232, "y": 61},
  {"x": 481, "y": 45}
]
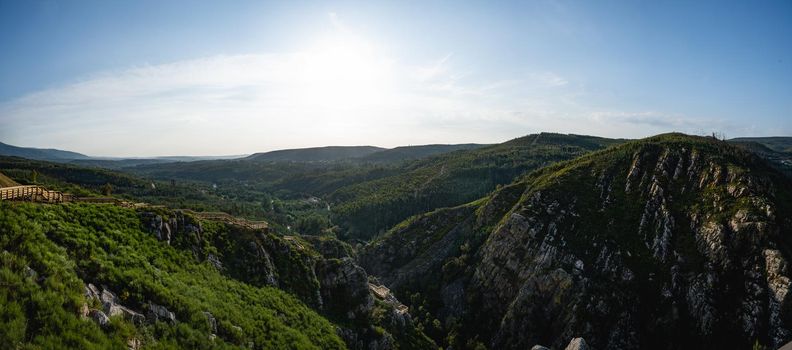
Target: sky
[{"x": 154, "y": 78}]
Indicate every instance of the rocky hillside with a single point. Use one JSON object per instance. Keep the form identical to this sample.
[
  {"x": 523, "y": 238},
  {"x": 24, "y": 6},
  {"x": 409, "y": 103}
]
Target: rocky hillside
[
  {"x": 87, "y": 276},
  {"x": 367, "y": 208},
  {"x": 668, "y": 242}
]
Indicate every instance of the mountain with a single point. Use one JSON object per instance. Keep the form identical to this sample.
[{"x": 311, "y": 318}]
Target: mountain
[
  {"x": 778, "y": 143},
  {"x": 367, "y": 198},
  {"x": 121, "y": 163},
  {"x": 364, "y": 209},
  {"x": 668, "y": 242},
  {"x": 404, "y": 153},
  {"x": 315, "y": 154},
  {"x": 166, "y": 279},
  {"x": 39, "y": 153}
]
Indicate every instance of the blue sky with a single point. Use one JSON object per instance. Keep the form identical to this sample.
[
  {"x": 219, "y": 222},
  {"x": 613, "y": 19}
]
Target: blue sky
[{"x": 135, "y": 78}]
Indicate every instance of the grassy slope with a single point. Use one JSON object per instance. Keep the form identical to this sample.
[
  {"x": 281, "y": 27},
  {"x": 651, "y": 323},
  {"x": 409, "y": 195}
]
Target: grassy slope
[{"x": 69, "y": 244}]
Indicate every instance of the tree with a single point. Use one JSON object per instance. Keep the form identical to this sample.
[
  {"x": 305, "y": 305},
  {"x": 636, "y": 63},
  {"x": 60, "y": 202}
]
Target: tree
[
  {"x": 312, "y": 224},
  {"x": 107, "y": 189}
]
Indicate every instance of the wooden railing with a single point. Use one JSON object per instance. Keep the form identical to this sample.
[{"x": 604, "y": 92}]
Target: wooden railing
[{"x": 34, "y": 193}]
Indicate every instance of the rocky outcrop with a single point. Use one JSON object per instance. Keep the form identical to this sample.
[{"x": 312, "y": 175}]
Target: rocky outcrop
[
  {"x": 577, "y": 344},
  {"x": 160, "y": 313},
  {"x": 345, "y": 290},
  {"x": 99, "y": 317},
  {"x": 165, "y": 225},
  {"x": 211, "y": 322},
  {"x": 110, "y": 305},
  {"x": 320, "y": 271},
  {"x": 652, "y": 244}
]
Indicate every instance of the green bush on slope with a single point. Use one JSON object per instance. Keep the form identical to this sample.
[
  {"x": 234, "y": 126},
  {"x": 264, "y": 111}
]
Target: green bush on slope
[{"x": 67, "y": 245}]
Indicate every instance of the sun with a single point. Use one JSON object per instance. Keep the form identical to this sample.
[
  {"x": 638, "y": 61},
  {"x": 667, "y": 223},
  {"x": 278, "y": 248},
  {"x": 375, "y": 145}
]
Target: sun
[{"x": 344, "y": 71}]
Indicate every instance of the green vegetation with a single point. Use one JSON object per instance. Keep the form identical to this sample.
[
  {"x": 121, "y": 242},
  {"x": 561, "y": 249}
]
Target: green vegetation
[
  {"x": 69, "y": 245},
  {"x": 316, "y": 154},
  {"x": 592, "y": 211},
  {"x": 406, "y": 153},
  {"x": 366, "y": 209},
  {"x": 778, "y": 144},
  {"x": 367, "y": 197},
  {"x": 266, "y": 288}
]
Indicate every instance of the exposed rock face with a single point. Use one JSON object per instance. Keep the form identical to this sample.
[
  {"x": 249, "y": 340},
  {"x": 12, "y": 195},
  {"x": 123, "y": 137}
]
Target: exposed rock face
[
  {"x": 110, "y": 304},
  {"x": 305, "y": 267},
  {"x": 99, "y": 317},
  {"x": 577, "y": 344},
  {"x": 652, "y": 244},
  {"x": 211, "y": 321},
  {"x": 164, "y": 228},
  {"x": 160, "y": 313},
  {"x": 345, "y": 289}
]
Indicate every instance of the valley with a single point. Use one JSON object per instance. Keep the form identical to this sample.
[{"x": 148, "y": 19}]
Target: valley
[{"x": 542, "y": 240}]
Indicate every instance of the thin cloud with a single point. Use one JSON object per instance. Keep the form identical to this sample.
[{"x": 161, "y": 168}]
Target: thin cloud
[
  {"x": 345, "y": 92},
  {"x": 244, "y": 103},
  {"x": 550, "y": 79}
]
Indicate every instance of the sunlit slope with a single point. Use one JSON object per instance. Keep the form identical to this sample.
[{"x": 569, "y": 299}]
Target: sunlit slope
[
  {"x": 669, "y": 242},
  {"x": 51, "y": 252}
]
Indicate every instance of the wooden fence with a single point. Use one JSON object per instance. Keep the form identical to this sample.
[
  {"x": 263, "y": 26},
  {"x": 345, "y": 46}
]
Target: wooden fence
[{"x": 34, "y": 193}]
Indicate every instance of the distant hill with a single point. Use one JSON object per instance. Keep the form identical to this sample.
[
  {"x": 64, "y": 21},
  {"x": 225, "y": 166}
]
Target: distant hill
[
  {"x": 39, "y": 153},
  {"x": 315, "y": 154},
  {"x": 369, "y": 197},
  {"x": 403, "y": 153},
  {"x": 120, "y": 163},
  {"x": 777, "y": 143},
  {"x": 366, "y": 207}
]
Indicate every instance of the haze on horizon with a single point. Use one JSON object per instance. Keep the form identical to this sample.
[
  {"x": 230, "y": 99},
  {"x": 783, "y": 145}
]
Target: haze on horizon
[{"x": 152, "y": 78}]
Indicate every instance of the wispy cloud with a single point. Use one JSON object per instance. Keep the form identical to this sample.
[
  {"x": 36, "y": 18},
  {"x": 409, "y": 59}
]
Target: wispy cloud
[
  {"x": 549, "y": 79},
  {"x": 340, "y": 92},
  {"x": 245, "y": 103}
]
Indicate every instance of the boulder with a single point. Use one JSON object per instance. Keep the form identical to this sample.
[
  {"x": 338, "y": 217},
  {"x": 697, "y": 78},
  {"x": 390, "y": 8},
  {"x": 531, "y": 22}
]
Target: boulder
[
  {"x": 215, "y": 261},
  {"x": 211, "y": 321},
  {"x": 91, "y": 292},
  {"x": 134, "y": 344},
  {"x": 577, "y": 344},
  {"x": 126, "y": 313},
  {"x": 160, "y": 313},
  {"x": 107, "y": 298},
  {"x": 99, "y": 317}
]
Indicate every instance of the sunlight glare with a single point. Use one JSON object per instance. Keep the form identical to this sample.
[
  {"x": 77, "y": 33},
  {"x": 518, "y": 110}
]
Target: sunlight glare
[{"x": 344, "y": 72}]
